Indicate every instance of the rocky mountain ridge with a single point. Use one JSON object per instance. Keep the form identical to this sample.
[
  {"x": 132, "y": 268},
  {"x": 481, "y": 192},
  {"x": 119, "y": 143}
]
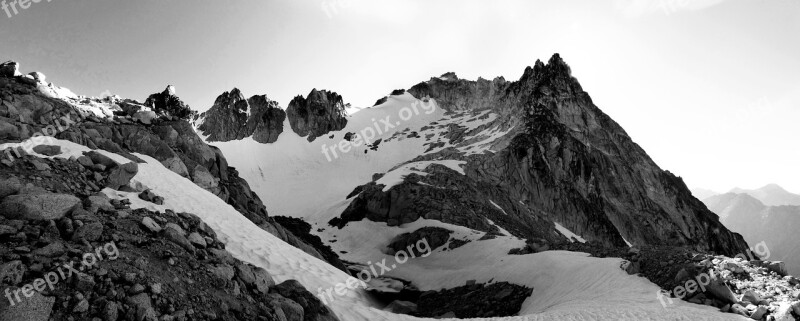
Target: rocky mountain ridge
[
  {"x": 232, "y": 117},
  {"x": 561, "y": 160},
  {"x": 771, "y": 195}
]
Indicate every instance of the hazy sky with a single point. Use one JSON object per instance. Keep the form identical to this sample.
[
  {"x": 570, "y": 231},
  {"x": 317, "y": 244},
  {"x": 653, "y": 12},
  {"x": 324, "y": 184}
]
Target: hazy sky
[{"x": 710, "y": 89}]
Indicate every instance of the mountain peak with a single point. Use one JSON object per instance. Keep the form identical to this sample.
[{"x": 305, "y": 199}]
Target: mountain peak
[
  {"x": 773, "y": 188},
  {"x": 169, "y": 91}
]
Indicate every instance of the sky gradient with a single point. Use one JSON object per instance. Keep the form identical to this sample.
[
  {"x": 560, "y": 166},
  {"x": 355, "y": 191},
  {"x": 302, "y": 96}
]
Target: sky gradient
[{"x": 709, "y": 88}]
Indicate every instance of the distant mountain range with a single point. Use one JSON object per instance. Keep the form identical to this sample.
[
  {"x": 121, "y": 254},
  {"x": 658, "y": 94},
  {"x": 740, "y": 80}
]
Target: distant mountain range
[
  {"x": 769, "y": 195},
  {"x": 769, "y": 214}
]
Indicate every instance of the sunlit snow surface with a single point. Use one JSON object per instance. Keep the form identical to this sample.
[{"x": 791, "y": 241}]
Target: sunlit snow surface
[{"x": 568, "y": 286}]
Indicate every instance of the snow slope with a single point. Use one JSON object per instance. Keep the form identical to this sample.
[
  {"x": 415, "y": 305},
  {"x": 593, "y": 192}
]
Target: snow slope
[
  {"x": 295, "y": 178},
  {"x": 568, "y": 286}
]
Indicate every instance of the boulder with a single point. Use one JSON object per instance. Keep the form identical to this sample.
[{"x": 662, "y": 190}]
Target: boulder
[
  {"x": 98, "y": 202},
  {"x": 435, "y": 236},
  {"x": 121, "y": 175},
  {"x": 752, "y": 297},
  {"x": 48, "y": 206},
  {"x": 291, "y": 311},
  {"x": 203, "y": 178},
  {"x": 9, "y": 186},
  {"x": 222, "y": 271},
  {"x": 142, "y": 306},
  {"x": 99, "y": 158},
  {"x": 35, "y": 308},
  {"x": 401, "y": 307},
  {"x": 145, "y": 116},
  {"x": 90, "y": 232},
  {"x": 151, "y": 225},
  {"x": 759, "y": 313},
  {"x": 39, "y": 77},
  {"x": 9, "y": 69},
  {"x": 47, "y": 150},
  {"x": 718, "y": 289},
  {"x": 176, "y": 227},
  {"x": 197, "y": 240},
  {"x": 111, "y": 311},
  {"x": 313, "y": 308},
  {"x": 85, "y": 161},
  {"x": 11, "y": 272},
  {"x": 254, "y": 277},
  {"x": 178, "y": 238},
  {"x": 778, "y": 267},
  {"x": 8, "y": 130},
  {"x": 51, "y": 250}
]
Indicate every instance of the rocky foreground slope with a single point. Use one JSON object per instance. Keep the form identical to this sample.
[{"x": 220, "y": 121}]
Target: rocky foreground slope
[{"x": 51, "y": 213}]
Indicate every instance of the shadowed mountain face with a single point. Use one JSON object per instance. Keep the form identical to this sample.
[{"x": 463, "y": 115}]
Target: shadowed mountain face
[
  {"x": 775, "y": 225},
  {"x": 563, "y": 160},
  {"x": 771, "y": 195}
]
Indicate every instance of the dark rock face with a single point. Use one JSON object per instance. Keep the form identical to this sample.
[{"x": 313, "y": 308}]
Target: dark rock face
[
  {"x": 577, "y": 164},
  {"x": 45, "y": 206},
  {"x": 454, "y": 94},
  {"x": 434, "y": 236},
  {"x": 168, "y": 103},
  {"x": 303, "y": 231},
  {"x": 473, "y": 301},
  {"x": 449, "y": 197},
  {"x": 233, "y": 118},
  {"x": 316, "y": 115},
  {"x": 9, "y": 69}
]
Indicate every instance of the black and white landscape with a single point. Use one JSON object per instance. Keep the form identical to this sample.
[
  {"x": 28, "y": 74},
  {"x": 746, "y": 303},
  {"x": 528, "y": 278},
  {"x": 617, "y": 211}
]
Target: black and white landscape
[{"x": 347, "y": 160}]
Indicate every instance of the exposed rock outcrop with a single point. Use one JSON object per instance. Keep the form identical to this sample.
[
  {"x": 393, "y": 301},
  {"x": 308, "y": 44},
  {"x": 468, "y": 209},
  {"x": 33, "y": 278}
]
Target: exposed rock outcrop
[
  {"x": 473, "y": 301},
  {"x": 445, "y": 195},
  {"x": 169, "y": 139},
  {"x": 168, "y": 103},
  {"x": 144, "y": 265},
  {"x": 233, "y": 118},
  {"x": 317, "y": 114}
]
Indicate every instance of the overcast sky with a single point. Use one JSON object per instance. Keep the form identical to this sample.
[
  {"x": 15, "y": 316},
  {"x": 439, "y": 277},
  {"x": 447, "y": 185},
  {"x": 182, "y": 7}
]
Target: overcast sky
[{"x": 710, "y": 89}]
